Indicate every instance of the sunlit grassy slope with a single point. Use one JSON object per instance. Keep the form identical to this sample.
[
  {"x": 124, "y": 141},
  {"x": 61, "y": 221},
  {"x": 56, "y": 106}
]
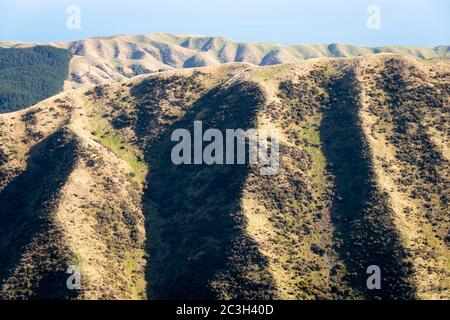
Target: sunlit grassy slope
[{"x": 87, "y": 180}]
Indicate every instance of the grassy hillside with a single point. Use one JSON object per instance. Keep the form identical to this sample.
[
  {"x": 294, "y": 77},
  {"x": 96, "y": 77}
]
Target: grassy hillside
[
  {"x": 363, "y": 180},
  {"x": 110, "y": 59},
  {"x": 30, "y": 75}
]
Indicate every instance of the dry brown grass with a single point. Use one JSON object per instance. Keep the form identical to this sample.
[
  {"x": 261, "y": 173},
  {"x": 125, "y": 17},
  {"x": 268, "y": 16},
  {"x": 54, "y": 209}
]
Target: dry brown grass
[{"x": 289, "y": 240}]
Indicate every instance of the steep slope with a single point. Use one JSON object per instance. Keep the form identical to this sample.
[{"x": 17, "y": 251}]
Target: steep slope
[
  {"x": 407, "y": 129},
  {"x": 363, "y": 180},
  {"x": 57, "y": 210}
]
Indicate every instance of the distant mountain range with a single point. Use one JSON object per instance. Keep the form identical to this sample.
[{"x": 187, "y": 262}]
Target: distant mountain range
[{"x": 105, "y": 59}]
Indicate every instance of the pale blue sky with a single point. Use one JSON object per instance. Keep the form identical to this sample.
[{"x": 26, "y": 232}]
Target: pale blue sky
[{"x": 404, "y": 22}]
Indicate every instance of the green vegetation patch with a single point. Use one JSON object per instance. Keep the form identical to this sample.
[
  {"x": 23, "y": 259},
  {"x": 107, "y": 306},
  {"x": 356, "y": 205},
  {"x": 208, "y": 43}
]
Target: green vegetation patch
[{"x": 108, "y": 137}]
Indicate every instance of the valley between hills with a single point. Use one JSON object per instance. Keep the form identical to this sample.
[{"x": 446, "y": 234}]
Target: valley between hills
[{"x": 86, "y": 179}]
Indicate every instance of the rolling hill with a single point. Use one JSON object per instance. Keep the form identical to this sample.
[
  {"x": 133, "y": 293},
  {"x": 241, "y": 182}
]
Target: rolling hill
[
  {"x": 110, "y": 59},
  {"x": 363, "y": 180}
]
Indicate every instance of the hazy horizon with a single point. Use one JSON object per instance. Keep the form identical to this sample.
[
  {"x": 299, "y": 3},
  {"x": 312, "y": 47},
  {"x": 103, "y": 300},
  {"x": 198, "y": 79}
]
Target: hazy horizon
[
  {"x": 216, "y": 35},
  {"x": 417, "y": 23}
]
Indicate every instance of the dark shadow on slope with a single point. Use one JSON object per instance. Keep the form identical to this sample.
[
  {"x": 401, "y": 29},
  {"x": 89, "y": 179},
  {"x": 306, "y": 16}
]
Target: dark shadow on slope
[
  {"x": 26, "y": 205},
  {"x": 360, "y": 212},
  {"x": 413, "y": 110},
  {"x": 197, "y": 246}
]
